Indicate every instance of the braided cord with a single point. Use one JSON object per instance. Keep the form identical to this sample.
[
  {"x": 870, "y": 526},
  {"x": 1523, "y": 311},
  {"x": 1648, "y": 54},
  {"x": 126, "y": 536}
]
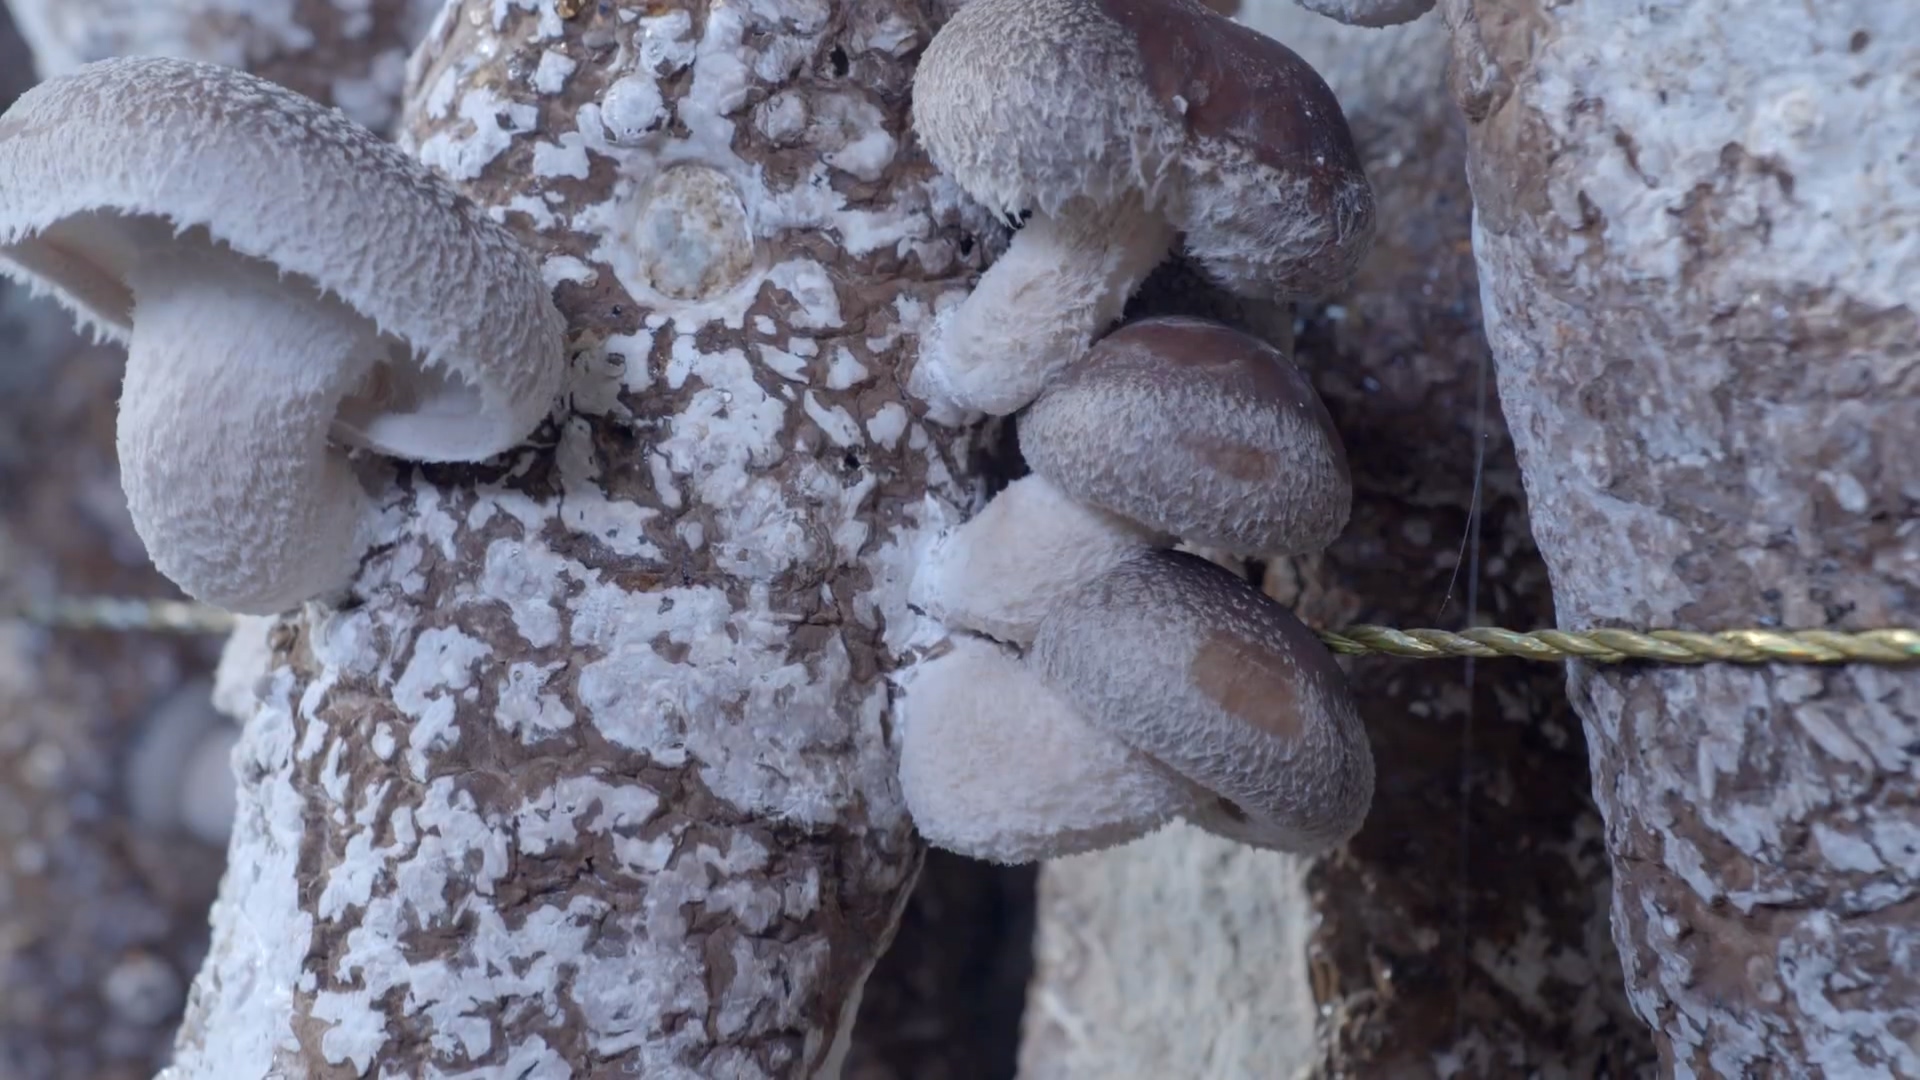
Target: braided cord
[
  {"x": 121, "y": 615},
  {"x": 1605, "y": 646}
]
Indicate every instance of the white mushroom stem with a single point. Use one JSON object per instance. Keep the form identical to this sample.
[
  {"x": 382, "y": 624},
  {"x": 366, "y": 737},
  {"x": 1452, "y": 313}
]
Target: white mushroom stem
[
  {"x": 233, "y": 380},
  {"x": 1001, "y": 571},
  {"x": 995, "y": 765},
  {"x": 1064, "y": 278}
]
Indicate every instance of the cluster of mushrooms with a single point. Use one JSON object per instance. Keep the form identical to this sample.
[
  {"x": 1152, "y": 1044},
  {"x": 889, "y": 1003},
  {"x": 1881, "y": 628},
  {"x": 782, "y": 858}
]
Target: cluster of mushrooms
[
  {"x": 299, "y": 297},
  {"x": 1096, "y": 683}
]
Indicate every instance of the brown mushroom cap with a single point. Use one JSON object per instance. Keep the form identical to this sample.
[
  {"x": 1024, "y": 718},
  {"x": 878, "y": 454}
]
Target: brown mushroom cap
[
  {"x": 1028, "y": 104},
  {"x": 1189, "y": 665},
  {"x": 1277, "y": 200},
  {"x": 1197, "y": 430}
]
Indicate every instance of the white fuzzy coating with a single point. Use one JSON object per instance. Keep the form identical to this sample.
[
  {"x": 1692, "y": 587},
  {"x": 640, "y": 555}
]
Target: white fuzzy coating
[
  {"x": 995, "y": 765},
  {"x": 1371, "y": 13},
  {"x": 233, "y": 381},
  {"x": 1023, "y": 121},
  {"x": 1065, "y": 277},
  {"x": 1007, "y": 566},
  {"x": 1186, "y": 663},
  {"x": 277, "y": 177}
]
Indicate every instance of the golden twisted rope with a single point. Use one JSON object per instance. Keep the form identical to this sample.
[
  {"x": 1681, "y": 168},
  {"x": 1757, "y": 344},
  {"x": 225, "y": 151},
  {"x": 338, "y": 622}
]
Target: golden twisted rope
[
  {"x": 121, "y": 614},
  {"x": 1607, "y": 646},
  {"x": 1604, "y": 646}
]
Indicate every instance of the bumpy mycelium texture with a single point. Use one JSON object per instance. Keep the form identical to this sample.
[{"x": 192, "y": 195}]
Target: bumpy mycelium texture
[
  {"x": 597, "y": 777},
  {"x": 348, "y": 53},
  {"x": 1116, "y": 125},
  {"x": 1704, "y": 320}
]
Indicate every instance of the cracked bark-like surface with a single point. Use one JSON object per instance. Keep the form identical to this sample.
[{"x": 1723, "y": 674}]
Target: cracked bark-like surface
[
  {"x": 349, "y": 53},
  {"x": 1698, "y": 247},
  {"x": 102, "y": 898},
  {"x": 1445, "y": 939},
  {"x": 594, "y": 775}
]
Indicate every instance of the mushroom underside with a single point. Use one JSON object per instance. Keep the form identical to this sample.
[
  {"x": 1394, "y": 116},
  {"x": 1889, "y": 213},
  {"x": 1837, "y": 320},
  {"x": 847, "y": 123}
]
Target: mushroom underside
[
  {"x": 233, "y": 381},
  {"x": 995, "y": 765},
  {"x": 407, "y": 406}
]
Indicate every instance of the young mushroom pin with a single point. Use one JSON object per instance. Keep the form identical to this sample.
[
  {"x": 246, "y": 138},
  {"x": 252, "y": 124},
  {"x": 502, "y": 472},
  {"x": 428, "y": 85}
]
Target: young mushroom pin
[
  {"x": 1119, "y": 124},
  {"x": 288, "y": 286}
]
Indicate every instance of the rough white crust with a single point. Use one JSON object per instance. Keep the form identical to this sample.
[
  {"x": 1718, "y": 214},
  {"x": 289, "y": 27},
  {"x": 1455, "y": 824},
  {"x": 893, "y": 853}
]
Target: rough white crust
[
  {"x": 1704, "y": 322},
  {"x": 996, "y": 765},
  {"x": 597, "y": 778},
  {"x": 1179, "y": 948}
]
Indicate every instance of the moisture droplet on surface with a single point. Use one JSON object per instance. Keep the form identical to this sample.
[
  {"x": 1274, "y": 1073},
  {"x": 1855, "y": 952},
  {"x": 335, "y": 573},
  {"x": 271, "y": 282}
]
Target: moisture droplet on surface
[{"x": 692, "y": 234}]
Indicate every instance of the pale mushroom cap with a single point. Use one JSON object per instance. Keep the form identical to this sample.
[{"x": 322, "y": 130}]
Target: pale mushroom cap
[
  {"x": 997, "y": 766},
  {"x": 1196, "y": 430},
  {"x": 1028, "y": 103},
  {"x": 93, "y": 161},
  {"x": 1188, "y": 664}
]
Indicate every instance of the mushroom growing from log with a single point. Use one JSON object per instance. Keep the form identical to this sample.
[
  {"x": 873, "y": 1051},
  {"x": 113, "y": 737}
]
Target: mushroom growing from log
[
  {"x": 288, "y": 286},
  {"x": 1118, "y": 127},
  {"x": 1156, "y": 684}
]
